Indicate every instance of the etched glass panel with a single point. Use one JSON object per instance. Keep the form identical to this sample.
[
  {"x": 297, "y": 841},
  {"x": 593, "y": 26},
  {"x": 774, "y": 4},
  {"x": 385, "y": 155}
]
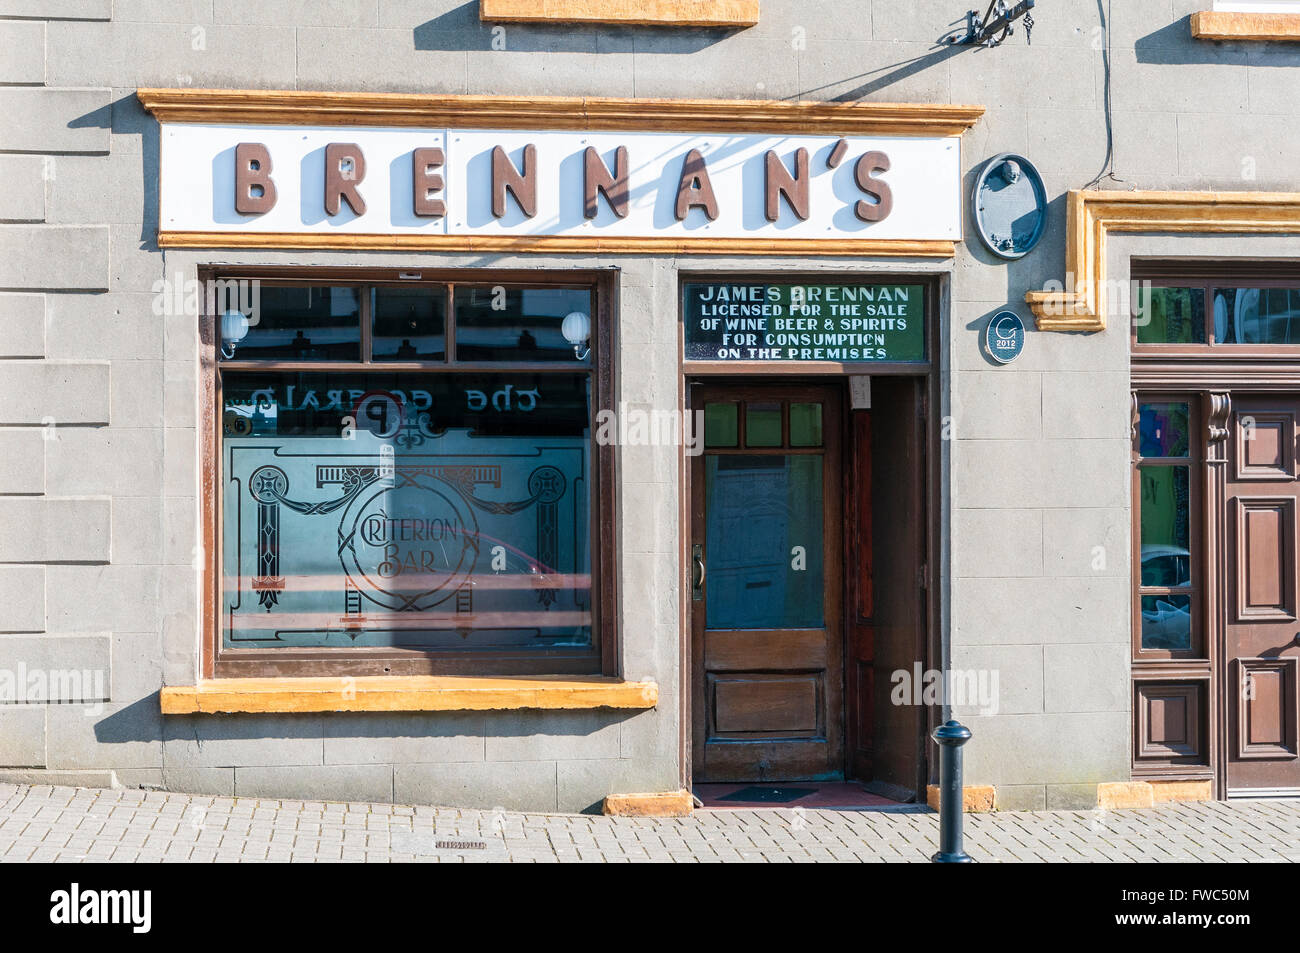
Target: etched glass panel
[{"x": 445, "y": 512}]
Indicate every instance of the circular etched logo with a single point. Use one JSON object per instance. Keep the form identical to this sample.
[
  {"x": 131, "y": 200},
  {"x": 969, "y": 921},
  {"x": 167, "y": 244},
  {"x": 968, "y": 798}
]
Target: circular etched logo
[{"x": 409, "y": 547}]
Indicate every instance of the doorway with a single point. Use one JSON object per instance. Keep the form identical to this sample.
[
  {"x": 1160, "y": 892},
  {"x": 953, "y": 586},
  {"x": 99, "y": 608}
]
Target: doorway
[
  {"x": 807, "y": 581},
  {"x": 766, "y": 604},
  {"x": 1216, "y": 639}
]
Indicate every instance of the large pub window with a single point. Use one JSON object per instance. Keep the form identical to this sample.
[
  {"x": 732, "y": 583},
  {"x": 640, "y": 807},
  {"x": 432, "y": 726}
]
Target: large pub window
[{"x": 407, "y": 480}]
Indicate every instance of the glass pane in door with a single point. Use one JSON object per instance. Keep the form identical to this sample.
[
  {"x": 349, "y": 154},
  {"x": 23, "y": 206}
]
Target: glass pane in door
[{"x": 763, "y": 538}]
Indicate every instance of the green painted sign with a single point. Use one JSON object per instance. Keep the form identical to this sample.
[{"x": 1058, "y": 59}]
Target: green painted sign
[{"x": 841, "y": 323}]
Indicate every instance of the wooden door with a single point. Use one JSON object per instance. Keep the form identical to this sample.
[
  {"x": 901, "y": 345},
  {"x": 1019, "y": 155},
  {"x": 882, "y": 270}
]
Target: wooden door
[
  {"x": 765, "y": 586},
  {"x": 1261, "y": 632}
]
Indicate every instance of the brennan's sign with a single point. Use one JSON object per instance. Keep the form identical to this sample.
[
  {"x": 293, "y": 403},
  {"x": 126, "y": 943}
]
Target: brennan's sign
[
  {"x": 747, "y": 321},
  {"x": 327, "y": 182}
]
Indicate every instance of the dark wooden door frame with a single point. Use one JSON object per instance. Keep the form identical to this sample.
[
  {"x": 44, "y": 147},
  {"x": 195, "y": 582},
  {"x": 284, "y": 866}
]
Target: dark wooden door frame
[{"x": 930, "y": 640}]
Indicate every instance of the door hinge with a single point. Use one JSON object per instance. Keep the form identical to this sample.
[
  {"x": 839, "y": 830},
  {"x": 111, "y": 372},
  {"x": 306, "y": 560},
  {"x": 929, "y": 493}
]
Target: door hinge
[{"x": 923, "y": 576}]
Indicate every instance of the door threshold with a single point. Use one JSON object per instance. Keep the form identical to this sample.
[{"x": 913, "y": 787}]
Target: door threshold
[{"x": 810, "y": 795}]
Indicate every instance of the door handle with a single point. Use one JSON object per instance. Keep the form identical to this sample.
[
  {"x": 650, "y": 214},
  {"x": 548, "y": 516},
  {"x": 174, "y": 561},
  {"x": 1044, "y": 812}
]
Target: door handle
[{"x": 697, "y": 572}]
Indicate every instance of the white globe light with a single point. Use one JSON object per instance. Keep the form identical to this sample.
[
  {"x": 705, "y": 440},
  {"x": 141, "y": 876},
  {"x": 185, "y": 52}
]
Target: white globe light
[
  {"x": 576, "y": 327},
  {"x": 234, "y": 327}
]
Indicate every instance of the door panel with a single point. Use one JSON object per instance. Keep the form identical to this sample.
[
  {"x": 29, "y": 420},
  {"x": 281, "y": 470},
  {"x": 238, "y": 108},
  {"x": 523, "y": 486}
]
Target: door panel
[
  {"x": 859, "y": 630},
  {"x": 1262, "y": 633},
  {"x": 767, "y": 646},
  {"x": 744, "y": 704},
  {"x": 1266, "y": 718}
]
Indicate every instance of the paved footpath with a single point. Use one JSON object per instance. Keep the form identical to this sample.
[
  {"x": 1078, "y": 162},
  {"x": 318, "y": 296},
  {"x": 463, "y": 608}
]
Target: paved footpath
[{"x": 41, "y": 823}]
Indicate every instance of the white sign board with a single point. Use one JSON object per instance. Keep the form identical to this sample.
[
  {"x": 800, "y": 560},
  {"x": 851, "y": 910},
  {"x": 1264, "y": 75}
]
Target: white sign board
[{"x": 891, "y": 188}]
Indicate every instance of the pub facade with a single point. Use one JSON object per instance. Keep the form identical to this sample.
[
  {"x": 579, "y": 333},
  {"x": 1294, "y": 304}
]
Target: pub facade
[{"x": 517, "y": 405}]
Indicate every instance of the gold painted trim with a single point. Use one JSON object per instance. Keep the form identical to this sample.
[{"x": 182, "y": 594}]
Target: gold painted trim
[
  {"x": 701, "y": 13},
  {"x": 1259, "y": 27},
  {"x": 302, "y": 108},
  {"x": 1092, "y": 215},
  {"x": 405, "y": 693},
  {"x": 660, "y": 804},
  {"x": 561, "y": 244},
  {"x": 976, "y": 799}
]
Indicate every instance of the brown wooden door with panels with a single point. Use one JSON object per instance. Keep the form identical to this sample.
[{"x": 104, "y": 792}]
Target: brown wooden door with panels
[
  {"x": 1262, "y": 633},
  {"x": 766, "y": 604}
]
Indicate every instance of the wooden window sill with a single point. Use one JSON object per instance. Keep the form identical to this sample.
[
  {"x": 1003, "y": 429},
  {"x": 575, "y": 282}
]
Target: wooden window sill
[
  {"x": 406, "y": 693},
  {"x": 1261, "y": 27},
  {"x": 684, "y": 13}
]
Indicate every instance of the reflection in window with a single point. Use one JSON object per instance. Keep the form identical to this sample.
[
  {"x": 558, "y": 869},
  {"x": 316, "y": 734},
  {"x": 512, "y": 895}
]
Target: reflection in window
[
  {"x": 763, "y": 424},
  {"x": 1165, "y": 518},
  {"x": 1170, "y": 315},
  {"x": 806, "y": 425},
  {"x": 499, "y": 323},
  {"x": 410, "y": 324},
  {"x": 764, "y": 541},
  {"x": 1167, "y": 622},
  {"x": 721, "y": 424},
  {"x": 433, "y": 511},
  {"x": 1163, "y": 429},
  {"x": 1257, "y": 316},
  {"x": 297, "y": 324}
]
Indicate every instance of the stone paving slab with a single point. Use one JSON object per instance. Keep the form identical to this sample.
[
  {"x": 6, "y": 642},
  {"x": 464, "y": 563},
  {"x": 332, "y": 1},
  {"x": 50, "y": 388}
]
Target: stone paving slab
[{"x": 64, "y": 824}]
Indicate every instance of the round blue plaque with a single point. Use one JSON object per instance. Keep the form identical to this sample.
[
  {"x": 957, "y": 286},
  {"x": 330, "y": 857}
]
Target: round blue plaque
[
  {"x": 1010, "y": 205},
  {"x": 1005, "y": 337}
]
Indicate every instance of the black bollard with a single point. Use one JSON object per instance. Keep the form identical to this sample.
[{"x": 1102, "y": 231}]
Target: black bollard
[{"x": 950, "y": 737}]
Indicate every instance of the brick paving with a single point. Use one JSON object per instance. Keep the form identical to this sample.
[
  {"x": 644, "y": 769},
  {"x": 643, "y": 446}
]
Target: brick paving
[{"x": 43, "y": 823}]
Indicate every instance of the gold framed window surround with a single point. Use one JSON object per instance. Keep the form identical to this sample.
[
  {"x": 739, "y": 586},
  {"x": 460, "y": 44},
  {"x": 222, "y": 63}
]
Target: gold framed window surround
[
  {"x": 717, "y": 14},
  {"x": 1084, "y": 300},
  {"x": 1261, "y": 23}
]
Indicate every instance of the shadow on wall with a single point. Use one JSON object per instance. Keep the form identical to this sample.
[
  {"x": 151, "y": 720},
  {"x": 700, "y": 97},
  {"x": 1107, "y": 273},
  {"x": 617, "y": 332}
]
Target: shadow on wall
[
  {"x": 1174, "y": 44},
  {"x": 140, "y": 721},
  {"x": 461, "y": 29},
  {"x": 125, "y": 116},
  {"x": 878, "y": 79},
  {"x": 504, "y": 750}
]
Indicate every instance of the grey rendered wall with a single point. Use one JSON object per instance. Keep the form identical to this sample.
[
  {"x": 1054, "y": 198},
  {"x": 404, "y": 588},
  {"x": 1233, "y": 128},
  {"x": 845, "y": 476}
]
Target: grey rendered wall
[{"x": 98, "y": 513}]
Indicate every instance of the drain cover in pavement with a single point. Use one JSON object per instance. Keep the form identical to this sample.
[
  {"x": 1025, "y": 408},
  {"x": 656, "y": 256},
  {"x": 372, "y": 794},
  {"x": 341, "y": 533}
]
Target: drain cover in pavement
[{"x": 768, "y": 795}]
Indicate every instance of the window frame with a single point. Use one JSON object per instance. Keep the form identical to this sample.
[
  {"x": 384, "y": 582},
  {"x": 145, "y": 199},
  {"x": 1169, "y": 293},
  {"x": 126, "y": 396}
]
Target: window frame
[
  {"x": 1207, "y": 277},
  {"x": 1196, "y": 589},
  {"x": 600, "y": 658}
]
